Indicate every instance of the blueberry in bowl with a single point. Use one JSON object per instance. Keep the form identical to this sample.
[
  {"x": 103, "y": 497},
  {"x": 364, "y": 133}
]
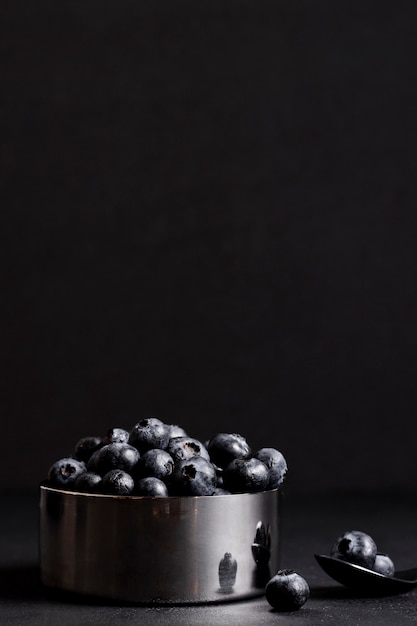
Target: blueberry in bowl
[
  {"x": 182, "y": 448},
  {"x": 118, "y": 483},
  {"x": 151, "y": 486},
  {"x": 150, "y": 433},
  {"x": 88, "y": 482},
  {"x": 115, "y": 435},
  {"x": 121, "y": 456},
  {"x": 63, "y": 473},
  {"x": 193, "y": 477},
  {"x": 276, "y": 464},
  {"x": 155, "y": 462},
  {"x": 86, "y": 446},
  {"x": 223, "y": 448},
  {"x": 246, "y": 476}
]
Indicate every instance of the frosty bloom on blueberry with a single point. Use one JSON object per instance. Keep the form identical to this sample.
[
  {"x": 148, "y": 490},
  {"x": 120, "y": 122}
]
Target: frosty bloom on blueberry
[{"x": 158, "y": 459}]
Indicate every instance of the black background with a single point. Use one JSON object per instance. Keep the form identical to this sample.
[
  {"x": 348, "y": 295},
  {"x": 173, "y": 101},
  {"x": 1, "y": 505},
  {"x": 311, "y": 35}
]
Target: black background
[{"x": 209, "y": 215}]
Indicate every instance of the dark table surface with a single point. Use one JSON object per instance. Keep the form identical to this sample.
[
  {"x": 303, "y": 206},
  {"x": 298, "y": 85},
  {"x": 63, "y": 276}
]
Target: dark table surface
[{"x": 310, "y": 525}]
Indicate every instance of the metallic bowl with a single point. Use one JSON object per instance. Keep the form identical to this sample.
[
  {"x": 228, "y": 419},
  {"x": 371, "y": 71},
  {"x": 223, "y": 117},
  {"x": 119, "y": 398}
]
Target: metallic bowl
[{"x": 174, "y": 550}]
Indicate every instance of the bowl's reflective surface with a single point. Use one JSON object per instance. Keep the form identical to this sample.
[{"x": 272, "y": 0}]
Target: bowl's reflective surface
[{"x": 159, "y": 550}]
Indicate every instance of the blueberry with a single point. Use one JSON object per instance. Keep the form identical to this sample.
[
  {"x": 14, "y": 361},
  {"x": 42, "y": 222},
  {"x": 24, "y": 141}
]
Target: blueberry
[
  {"x": 149, "y": 433},
  {"x": 276, "y": 464},
  {"x": 384, "y": 565},
  {"x": 245, "y": 476},
  {"x": 157, "y": 463},
  {"x": 219, "y": 491},
  {"x": 193, "y": 477},
  {"x": 118, "y": 483},
  {"x": 181, "y": 448},
  {"x": 176, "y": 431},
  {"x": 287, "y": 591},
  {"x": 113, "y": 456},
  {"x": 63, "y": 473},
  {"x": 88, "y": 482},
  {"x": 225, "y": 447},
  {"x": 86, "y": 446},
  {"x": 151, "y": 486},
  {"x": 116, "y": 435},
  {"x": 355, "y": 547}
]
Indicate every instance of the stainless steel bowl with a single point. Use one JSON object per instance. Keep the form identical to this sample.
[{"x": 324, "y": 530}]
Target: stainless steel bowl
[{"x": 171, "y": 550}]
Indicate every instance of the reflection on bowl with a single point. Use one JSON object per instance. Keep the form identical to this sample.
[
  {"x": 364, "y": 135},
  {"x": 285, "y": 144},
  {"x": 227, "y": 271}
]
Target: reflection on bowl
[{"x": 158, "y": 550}]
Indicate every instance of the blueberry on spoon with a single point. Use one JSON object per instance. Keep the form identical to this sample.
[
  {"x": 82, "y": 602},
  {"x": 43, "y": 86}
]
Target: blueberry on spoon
[{"x": 356, "y": 547}]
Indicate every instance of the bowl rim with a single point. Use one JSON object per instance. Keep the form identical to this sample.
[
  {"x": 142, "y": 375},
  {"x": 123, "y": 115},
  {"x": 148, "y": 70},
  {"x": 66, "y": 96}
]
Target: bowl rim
[{"x": 68, "y": 492}]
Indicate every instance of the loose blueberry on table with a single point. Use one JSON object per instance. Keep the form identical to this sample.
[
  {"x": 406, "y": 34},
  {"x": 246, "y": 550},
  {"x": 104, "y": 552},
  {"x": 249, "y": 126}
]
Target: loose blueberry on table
[
  {"x": 159, "y": 459},
  {"x": 287, "y": 591}
]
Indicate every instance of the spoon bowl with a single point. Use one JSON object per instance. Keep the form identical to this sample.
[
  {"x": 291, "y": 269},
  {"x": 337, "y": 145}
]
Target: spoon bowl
[{"x": 366, "y": 581}]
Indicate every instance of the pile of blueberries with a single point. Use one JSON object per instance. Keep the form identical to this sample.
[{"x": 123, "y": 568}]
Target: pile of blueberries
[{"x": 159, "y": 459}]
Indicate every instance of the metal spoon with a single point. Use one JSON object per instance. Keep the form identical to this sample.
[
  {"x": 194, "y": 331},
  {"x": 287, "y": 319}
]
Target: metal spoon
[{"x": 365, "y": 580}]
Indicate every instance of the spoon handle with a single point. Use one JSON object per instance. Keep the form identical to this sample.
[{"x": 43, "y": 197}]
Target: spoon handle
[{"x": 408, "y": 574}]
